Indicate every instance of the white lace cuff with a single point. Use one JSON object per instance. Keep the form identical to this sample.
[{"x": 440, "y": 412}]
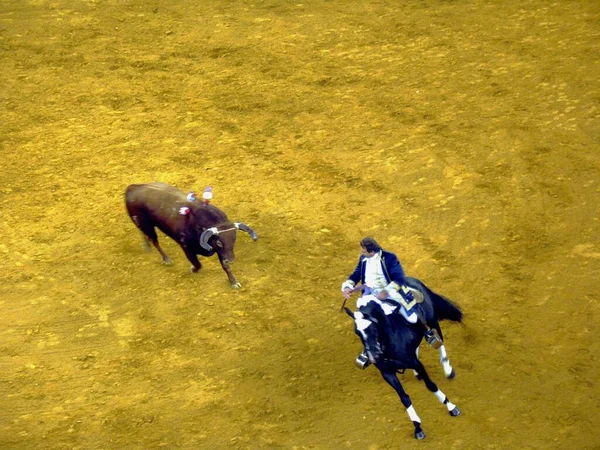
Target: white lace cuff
[{"x": 348, "y": 284}]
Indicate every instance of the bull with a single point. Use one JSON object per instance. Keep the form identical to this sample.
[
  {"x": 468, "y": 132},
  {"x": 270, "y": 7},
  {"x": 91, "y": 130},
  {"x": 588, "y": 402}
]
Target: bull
[{"x": 199, "y": 228}]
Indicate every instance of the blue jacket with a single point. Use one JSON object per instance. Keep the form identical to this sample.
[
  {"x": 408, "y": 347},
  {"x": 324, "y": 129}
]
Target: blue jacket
[{"x": 392, "y": 269}]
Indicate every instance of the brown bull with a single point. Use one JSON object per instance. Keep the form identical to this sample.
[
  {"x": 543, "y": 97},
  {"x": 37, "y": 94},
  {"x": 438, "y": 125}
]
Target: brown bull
[{"x": 200, "y": 229}]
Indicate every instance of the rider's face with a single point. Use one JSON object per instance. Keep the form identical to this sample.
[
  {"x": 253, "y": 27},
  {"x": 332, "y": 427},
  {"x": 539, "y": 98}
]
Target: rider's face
[{"x": 366, "y": 253}]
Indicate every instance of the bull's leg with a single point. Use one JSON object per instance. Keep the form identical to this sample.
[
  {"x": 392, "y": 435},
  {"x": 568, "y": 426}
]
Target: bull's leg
[
  {"x": 151, "y": 236},
  {"x": 394, "y": 382},
  {"x": 226, "y": 267},
  {"x": 145, "y": 242},
  {"x": 452, "y": 408},
  {"x": 193, "y": 258}
]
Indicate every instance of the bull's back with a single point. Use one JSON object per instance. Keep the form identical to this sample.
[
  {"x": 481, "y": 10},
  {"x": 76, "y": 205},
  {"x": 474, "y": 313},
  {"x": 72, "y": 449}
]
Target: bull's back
[
  {"x": 153, "y": 193},
  {"x": 155, "y": 204}
]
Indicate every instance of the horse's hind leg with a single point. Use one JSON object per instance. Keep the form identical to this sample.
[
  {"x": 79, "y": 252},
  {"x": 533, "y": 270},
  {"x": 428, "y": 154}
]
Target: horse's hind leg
[
  {"x": 417, "y": 357},
  {"x": 444, "y": 361},
  {"x": 452, "y": 408},
  {"x": 392, "y": 380}
]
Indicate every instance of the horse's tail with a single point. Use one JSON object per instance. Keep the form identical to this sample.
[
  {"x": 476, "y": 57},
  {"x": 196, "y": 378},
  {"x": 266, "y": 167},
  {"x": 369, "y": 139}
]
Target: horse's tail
[{"x": 445, "y": 309}]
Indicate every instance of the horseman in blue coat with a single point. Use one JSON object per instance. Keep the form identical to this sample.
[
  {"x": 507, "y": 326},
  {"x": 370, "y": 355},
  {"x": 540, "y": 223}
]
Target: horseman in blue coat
[{"x": 380, "y": 276}]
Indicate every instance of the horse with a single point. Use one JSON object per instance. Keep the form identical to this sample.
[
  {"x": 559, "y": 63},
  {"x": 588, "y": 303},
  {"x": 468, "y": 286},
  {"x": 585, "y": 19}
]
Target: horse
[{"x": 391, "y": 343}]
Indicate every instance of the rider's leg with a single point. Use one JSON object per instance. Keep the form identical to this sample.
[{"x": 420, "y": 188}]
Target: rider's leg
[{"x": 431, "y": 334}]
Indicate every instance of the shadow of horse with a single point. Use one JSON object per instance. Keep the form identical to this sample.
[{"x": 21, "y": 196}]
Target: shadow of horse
[{"x": 391, "y": 344}]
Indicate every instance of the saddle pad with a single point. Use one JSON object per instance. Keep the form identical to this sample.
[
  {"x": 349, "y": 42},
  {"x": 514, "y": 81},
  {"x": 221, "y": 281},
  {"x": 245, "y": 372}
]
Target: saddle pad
[
  {"x": 409, "y": 297},
  {"x": 418, "y": 295}
]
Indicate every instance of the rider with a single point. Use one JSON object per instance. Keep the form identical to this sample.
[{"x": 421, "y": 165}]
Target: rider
[{"x": 383, "y": 279}]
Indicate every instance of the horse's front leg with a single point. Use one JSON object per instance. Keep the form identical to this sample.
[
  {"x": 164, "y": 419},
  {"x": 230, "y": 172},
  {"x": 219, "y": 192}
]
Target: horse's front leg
[
  {"x": 452, "y": 408},
  {"x": 394, "y": 382}
]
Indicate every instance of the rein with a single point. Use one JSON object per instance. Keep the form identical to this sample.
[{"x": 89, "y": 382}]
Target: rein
[{"x": 362, "y": 287}]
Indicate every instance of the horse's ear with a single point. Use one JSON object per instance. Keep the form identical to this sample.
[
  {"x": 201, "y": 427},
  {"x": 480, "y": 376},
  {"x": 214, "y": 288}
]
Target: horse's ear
[{"x": 349, "y": 312}]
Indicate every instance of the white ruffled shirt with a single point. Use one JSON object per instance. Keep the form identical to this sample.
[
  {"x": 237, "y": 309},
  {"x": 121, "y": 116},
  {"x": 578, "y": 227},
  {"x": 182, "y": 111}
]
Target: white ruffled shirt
[{"x": 374, "y": 277}]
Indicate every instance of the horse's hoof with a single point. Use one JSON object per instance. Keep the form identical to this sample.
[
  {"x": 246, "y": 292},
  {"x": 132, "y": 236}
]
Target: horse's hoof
[
  {"x": 455, "y": 412},
  {"x": 167, "y": 261},
  {"x": 419, "y": 435},
  {"x": 451, "y": 375},
  {"x": 236, "y": 285}
]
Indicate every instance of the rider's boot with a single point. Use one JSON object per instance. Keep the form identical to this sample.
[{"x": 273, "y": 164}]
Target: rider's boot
[
  {"x": 433, "y": 338},
  {"x": 431, "y": 335},
  {"x": 415, "y": 315}
]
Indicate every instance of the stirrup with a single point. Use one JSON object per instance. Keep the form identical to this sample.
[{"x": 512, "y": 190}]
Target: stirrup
[
  {"x": 362, "y": 361},
  {"x": 433, "y": 338}
]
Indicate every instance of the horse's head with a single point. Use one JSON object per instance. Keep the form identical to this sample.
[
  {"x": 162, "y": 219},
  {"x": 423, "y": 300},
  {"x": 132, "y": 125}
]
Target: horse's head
[{"x": 366, "y": 326}]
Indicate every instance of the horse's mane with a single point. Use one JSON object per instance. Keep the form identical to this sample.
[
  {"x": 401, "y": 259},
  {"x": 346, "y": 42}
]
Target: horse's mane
[
  {"x": 372, "y": 310},
  {"x": 386, "y": 324}
]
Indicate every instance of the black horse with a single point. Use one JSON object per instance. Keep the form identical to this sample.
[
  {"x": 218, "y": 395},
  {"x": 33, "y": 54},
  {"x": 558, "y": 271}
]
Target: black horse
[{"x": 391, "y": 343}]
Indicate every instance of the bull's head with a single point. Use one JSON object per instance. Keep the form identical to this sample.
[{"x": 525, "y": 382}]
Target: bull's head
[{"x": 223, "y": 237}]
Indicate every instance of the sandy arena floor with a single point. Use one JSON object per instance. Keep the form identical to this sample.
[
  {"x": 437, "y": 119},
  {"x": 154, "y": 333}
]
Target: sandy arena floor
[{"x": 463, "y": 135}]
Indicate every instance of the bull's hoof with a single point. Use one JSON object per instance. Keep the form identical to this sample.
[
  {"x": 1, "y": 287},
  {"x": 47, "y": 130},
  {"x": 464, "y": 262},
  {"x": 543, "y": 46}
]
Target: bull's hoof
[
  {"x": 236, "y": 285},
  {"x": 419, "y": 435},
  {"x": 167, "y": 261},
  {"x": 194, "y": 269},
  {"x": 455, "y": 412}
]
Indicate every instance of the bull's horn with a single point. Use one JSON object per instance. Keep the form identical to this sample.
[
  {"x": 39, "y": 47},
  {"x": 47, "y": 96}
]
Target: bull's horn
[
  {"x": 247, "y": 229},
  {"x": 205, "y": 236}
]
